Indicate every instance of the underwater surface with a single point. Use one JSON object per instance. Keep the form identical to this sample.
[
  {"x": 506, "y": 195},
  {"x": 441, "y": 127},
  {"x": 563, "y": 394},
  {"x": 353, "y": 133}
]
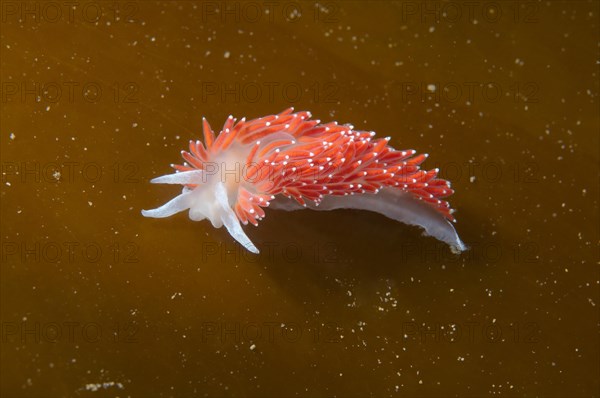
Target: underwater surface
[{"x": 98, "y": 98}]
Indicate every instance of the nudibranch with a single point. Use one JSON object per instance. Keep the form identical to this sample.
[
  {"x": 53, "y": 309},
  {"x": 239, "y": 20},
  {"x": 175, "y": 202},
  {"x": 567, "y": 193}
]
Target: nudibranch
[{"x": 290, "y": 162}]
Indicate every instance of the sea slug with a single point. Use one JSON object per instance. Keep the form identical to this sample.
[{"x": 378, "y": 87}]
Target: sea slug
[{"x": 291, "y": 162}]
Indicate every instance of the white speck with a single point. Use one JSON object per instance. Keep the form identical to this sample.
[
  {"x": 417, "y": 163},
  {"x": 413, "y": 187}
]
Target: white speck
[
  {"x": 227, "y": 54},
  {"x": 12, "y": 136},
  {"x": 134, "y": 124},
  {"x": 90, "y": 203},
  {"x": 252, "y": 347}
]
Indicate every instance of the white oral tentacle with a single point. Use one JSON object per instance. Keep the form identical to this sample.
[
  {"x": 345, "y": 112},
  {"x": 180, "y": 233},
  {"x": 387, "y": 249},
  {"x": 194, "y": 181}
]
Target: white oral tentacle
[
  {"x": 184, "y": 177},
  {"x": 179, "y": 203},
  {"x": 230, "y": 220}
]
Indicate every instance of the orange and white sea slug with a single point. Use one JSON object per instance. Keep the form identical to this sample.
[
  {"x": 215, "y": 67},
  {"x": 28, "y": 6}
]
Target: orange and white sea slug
[{"x": 289, "y": 162}]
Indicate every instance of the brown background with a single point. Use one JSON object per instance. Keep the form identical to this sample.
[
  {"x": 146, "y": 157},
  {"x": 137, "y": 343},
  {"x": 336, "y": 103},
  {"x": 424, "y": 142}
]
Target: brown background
[{"x": 99, "y": 99}]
